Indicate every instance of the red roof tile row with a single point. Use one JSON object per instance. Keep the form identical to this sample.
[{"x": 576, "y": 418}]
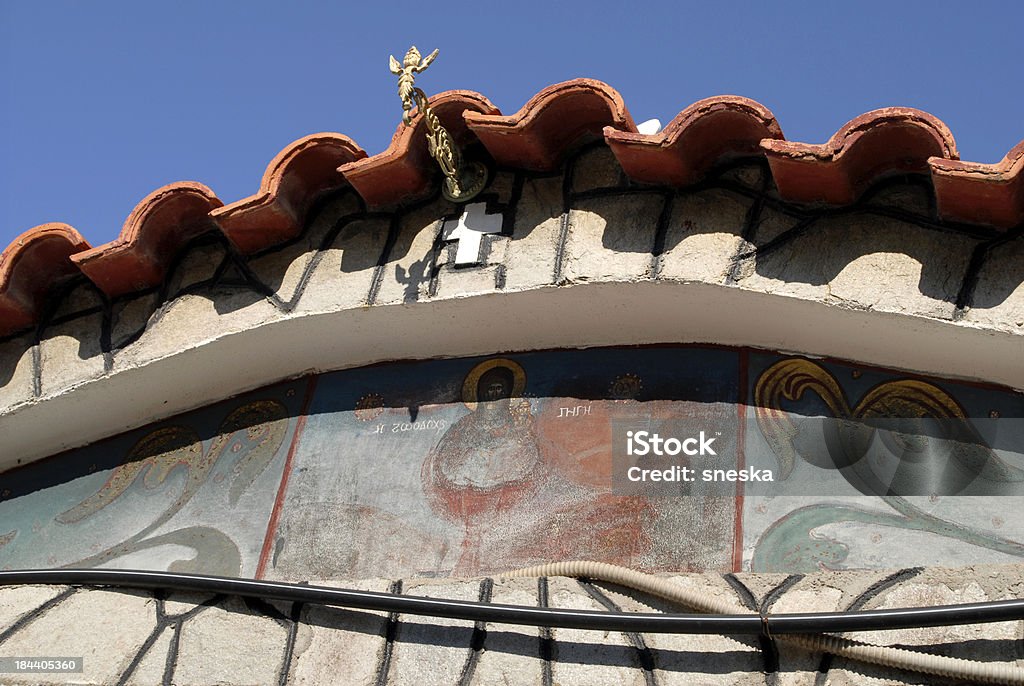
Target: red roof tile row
[{"x": 535, "y": 138}]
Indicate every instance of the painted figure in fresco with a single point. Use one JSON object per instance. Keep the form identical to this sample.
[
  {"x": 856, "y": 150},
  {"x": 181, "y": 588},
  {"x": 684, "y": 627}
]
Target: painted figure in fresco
[
  {"x": 487, "y": 462},
  {"x": 493, "y": 450},
  {"x": 792, "y": 543},
  {"x": 520, "y": 502}
]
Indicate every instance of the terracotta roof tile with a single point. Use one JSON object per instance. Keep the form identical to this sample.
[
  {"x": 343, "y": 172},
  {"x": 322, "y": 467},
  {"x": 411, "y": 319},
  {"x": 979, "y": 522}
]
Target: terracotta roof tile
[
  {"x": 405, "y": 169},
  {"x": 886, "y": 140},
  {"x": 292, "y": 179},
  {"x": 537, "y": 137},
  {"x": 29, "y": 267},
  {"x": 699, "y": 136},
  {"x": 981, "y": 193},
  {"x": 158, "y": 226}
]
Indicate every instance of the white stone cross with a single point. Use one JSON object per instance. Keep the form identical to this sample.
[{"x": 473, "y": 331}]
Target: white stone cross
[{"x": 471, "y": 227}]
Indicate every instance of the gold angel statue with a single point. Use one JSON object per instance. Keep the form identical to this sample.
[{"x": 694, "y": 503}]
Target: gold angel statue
[{"x": 411, "y": 65}]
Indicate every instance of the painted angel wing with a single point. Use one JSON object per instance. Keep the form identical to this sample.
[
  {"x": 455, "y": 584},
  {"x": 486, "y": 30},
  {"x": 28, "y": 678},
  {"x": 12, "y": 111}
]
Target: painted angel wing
[
  {"x": 258, "y": 430},
  {"x": 153, "y": 458}
]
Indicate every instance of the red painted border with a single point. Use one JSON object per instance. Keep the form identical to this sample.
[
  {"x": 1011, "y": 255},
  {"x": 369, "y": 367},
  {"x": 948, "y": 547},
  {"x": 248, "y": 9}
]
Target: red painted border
[
  {"x": 275, "y": 514},
  {"x": 741, "y": 461}
]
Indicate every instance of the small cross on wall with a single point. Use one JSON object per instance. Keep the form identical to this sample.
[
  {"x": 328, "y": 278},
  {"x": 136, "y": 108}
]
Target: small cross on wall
[{"x": 469, "y": 229}]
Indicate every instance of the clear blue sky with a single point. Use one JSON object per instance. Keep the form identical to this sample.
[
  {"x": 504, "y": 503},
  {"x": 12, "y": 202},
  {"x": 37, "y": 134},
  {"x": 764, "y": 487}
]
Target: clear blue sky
[{"x": 102, "y": 102}]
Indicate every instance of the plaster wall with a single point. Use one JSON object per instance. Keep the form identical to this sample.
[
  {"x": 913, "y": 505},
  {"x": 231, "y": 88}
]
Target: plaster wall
[{"x": 193, "y": 639}]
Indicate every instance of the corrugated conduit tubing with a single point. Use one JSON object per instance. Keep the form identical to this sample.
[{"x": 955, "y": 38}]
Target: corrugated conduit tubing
[{"x": 886, "y": 656}]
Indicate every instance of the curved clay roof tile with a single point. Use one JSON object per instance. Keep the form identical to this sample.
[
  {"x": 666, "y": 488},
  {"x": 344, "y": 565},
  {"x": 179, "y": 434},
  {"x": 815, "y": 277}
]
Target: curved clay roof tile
[
  {"x": 698, "y": 137},
  {"x": 406, "y": 169},
  {"x": 30, "y": 267},
  {"x": 537, "y": 136},
  {"x": 837, "y": 172},
  {"x": 292, "y": 180},
  {"x": 158, "y": 226},
  {"x": 981, "y": 193}
]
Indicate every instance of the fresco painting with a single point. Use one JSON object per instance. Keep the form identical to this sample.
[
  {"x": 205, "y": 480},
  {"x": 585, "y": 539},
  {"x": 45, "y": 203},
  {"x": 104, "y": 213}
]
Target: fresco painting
[
  {"x": 474, "y": 466},
  {"x": 478, "y": 465},
  {"x": 192, "y": 494},
  {"x": 798, "y": 530}
]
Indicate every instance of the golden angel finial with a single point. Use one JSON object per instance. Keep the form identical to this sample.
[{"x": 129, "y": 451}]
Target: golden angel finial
[
  {"x": 462, "y": 180},
  {"x": 411, "y": 65}
]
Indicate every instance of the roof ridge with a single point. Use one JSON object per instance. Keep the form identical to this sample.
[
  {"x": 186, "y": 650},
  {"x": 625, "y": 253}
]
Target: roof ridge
[{"x": 537, "y": 137}]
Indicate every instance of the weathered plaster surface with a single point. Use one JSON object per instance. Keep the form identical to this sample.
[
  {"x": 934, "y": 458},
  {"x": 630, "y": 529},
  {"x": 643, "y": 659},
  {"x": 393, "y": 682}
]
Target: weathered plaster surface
[{"x": 236, "y": 642}]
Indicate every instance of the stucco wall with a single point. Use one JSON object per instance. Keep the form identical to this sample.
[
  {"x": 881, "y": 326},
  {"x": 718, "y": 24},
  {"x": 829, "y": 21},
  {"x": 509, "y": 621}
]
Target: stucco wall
[{"x": 134, "y": 637}]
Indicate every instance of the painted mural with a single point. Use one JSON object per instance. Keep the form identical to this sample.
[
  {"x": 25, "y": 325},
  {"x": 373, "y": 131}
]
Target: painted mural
[
  {"x": 478, "y": 465},
  {"x": 946, "y": 500},
  {"x": 474, "y": 466},
  {"x": 193, "y": 494}
]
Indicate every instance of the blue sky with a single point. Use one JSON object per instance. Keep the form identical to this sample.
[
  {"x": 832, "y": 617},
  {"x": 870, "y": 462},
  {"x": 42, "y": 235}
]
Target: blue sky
[{"x": 103, "y": 102}]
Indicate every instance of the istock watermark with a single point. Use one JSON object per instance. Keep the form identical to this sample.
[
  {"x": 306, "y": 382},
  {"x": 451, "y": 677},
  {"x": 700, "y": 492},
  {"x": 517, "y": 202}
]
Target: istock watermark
[
  {"x": 642, "y": 443},
  {"x": 790, "y": 455}
]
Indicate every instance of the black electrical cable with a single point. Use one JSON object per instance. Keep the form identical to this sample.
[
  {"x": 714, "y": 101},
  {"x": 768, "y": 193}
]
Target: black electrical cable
[{"x": 798, "y": 623}]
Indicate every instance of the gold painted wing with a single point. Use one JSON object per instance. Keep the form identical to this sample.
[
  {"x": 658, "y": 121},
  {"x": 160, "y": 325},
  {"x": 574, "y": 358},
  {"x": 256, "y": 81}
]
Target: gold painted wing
[
  {"x": 153, "y": 458},
  {"x": 426, "y": 61}
]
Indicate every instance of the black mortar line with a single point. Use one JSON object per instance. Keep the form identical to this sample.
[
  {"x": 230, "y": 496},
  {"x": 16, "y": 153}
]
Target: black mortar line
[
  {"x": 508, "y": 226},
  {"x": 742, "y": 591},
  {"x": 749, "y": 232},
  {"x": 547, "y": 649},
  {"x": 163, "y": 295},
  {"x": 320, "y": 251},
  {"x": 965, "y": 296},
  {"x": 390, "y": 633},
  {"x": 175, "y": 623},
  {"x": 34, "y": 614},
  {"x": 661, "y": 234},
  {"x": 46, "y": 321},
  {"x": 435, "y": 254},
  {"x": 154, "y": 635},
  {"x": 616, "y": 191},
  {"x": 476, "y": 643},
  {"x": 37, "y": 370},
  {"x": 106, "y": 333},
  {"x": 330, "y": 237},
  {"x": 772, "y": 596},
  {"x": 289, "y": 648},
  {"x": 563, "y": 223},
  {"x": 317, "y": 207},
  {"x": 251, "y": 281},
  {"x": 769, "y": 650},
  {"x": 394, "y": 227},
  {"x": 644, "y": 654},
  {"x": 825, "y": 665},
  {"x": 172, "y": 651}
]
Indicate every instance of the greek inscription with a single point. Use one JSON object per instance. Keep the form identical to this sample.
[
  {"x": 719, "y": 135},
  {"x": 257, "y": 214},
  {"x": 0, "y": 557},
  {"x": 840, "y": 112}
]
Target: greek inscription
[
  {"x": 577, "y": 411},
  {"x": 437, "y": 425}
]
